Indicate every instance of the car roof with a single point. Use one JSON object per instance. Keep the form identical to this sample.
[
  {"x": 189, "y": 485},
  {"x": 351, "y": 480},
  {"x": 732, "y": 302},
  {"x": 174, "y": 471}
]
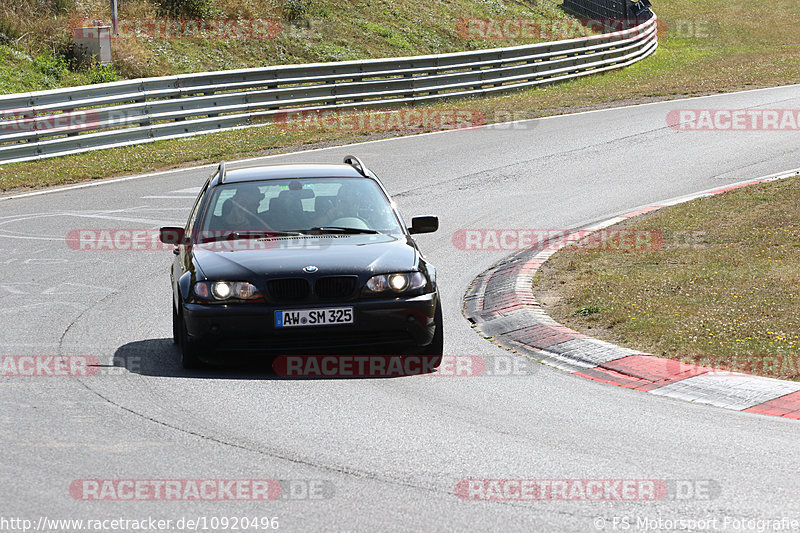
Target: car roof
[{"x": 289, "y": 171}]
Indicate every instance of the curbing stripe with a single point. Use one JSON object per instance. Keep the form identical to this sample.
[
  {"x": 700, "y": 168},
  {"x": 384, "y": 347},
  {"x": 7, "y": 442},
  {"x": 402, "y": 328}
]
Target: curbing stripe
[
  {"x": 788, "y": 406},
  {"x": 500, "y": 304},
  {"x": 642, "y": 211},
  {"x": 644, "y": 372}
]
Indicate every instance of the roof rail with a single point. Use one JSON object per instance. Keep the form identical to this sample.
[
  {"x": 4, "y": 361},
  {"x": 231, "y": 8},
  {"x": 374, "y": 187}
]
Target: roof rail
[
  {"x": 356, "y": 163},
  {"x": 221, "y": 171}
]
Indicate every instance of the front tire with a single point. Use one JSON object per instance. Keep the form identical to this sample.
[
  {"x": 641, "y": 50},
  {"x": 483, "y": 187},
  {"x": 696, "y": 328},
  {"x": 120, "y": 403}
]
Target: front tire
[
  {"x": 176, "y": 328},
  {"x": 436, "y": 347},
  {"x": 190, "y": 352}
]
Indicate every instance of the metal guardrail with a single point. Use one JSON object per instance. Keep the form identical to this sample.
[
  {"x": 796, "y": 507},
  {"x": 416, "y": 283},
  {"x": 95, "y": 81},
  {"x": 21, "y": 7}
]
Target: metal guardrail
[{"x": 78, "y": 119}]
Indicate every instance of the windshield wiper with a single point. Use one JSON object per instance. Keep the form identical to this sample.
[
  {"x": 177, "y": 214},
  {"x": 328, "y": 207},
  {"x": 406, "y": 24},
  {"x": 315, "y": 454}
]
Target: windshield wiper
[
  {"x": 234, "y": 235},
  {"x": 340, "y": 229}
]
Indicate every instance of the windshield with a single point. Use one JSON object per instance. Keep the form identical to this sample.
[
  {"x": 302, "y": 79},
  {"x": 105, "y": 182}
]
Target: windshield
[{"x": 312, "y": 205}]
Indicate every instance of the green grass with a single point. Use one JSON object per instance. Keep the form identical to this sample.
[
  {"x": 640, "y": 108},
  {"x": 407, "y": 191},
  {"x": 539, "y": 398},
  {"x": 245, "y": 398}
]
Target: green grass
[
  {"x": 323, "y": 30},
  {"x": 21, "y": 71},
  {"x": 740, "y": 45},
  {"x": 725, "y": 289}
]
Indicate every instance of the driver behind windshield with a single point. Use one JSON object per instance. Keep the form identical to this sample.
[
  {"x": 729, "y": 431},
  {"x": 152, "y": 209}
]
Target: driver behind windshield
[
  {"x": 240, "y": 212},
  {"x": 346, "y": 205},
  {"x": 358, "y": 204}
]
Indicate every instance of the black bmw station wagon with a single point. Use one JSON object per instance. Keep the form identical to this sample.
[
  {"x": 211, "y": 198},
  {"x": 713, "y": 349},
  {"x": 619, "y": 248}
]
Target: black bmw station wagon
[{"x": 300, "y": 258}]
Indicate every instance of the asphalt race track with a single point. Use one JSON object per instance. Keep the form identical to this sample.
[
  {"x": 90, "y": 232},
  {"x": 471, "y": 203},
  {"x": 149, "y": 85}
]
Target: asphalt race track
[{"x": 389, "y": 452}]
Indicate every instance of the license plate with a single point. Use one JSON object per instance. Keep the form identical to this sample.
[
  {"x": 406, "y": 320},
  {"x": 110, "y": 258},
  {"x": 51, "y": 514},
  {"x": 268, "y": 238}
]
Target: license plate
[{"x": 314, "y": 317}]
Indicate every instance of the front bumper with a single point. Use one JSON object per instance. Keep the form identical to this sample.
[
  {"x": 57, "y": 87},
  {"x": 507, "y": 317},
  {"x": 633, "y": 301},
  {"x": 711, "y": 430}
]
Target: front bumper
[{"x": 380, "y": 326}]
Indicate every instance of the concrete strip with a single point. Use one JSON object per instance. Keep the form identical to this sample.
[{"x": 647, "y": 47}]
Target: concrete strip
[{"x": 728, "y": 390}]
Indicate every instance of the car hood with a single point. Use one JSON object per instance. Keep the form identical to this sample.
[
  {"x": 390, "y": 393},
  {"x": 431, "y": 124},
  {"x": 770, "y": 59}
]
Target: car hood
[{"x": 287, "y": 256}]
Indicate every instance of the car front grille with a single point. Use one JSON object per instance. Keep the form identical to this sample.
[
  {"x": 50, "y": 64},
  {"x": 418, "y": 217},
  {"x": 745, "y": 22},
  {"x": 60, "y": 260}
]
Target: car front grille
[
  {"x": 335, "y": 286},
  {"x": 288, "y": 289}
]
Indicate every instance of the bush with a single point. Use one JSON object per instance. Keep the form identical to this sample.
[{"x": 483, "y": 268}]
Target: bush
[
  {"x": 63, "y": 6},
  {"x": 588, "y": 310},
  {"x": 187, "y": 8},
  {"x": 296, "y": 9},
  {"x": 98, "y": 73},
  {"x": 7, "y": 32},
  {"x": 53, "y": 66}
]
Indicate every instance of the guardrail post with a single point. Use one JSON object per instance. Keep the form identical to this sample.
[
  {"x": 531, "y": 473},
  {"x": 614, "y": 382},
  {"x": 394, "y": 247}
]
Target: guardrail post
[
  {"x": 409, "y": 76},
  {"x": 142, "y": 99},
  {"x": 33, "y": 115},
  {"x": 211, "y": 93}
]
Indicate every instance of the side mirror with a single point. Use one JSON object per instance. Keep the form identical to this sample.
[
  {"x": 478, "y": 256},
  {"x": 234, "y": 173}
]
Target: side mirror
[
  {"x": 171, "y": 235},
  {"x": 426, "y": 224}
]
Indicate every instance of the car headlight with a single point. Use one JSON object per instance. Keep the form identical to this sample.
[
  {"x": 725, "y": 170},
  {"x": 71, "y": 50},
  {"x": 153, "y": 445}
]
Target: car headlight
[
  {"x": 400, "y": 282},
  {"x": 220, "y": 291}
]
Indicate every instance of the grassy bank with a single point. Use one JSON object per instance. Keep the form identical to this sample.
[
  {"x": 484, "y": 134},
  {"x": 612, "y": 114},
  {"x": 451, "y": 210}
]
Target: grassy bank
[
  {"x": 36, "y": 49},
  {"x": 724, "y": 291}
]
